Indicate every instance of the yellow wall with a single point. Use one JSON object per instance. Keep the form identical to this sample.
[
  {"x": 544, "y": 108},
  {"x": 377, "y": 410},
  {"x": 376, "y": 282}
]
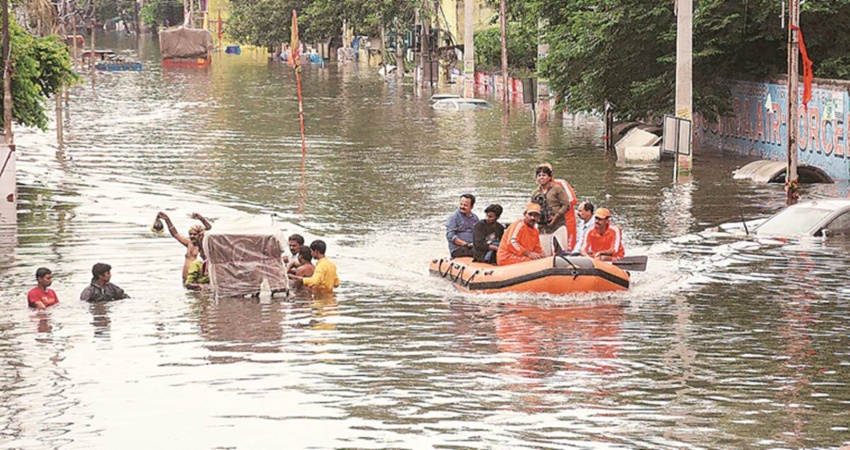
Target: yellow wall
[
  {"x": 211, "y": 23},
  {"x": 452, "y": 12}
]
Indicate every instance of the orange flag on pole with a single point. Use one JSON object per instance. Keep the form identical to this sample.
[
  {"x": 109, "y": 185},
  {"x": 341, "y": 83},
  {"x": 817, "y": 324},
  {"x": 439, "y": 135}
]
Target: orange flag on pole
[
  {"x": 295, "y": 46},
  {"x": 808, "y": 76}
]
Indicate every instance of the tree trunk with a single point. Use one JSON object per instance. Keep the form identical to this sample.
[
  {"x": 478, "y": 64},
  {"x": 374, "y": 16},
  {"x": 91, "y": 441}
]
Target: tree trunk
[
  {"x": 7, "y": 76},
  {"x": 503, "y": 24}
]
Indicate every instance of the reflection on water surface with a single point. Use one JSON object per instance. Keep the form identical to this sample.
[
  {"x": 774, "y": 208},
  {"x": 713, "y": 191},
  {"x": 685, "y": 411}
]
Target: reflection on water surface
[{"x": 726, "y": 341}]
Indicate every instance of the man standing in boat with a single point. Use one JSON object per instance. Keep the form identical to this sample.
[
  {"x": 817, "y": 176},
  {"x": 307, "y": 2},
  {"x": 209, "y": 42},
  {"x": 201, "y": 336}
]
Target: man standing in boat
[
  {"x": 554, "y": 204},
  {"x": 521, "y": 241},
  {"x": 605, "y": 240},
  {"x": 572, "y": 199},
  {"x": 459, "y": 227}
]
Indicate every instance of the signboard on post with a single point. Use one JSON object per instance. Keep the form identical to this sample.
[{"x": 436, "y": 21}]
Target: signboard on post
[{"x": 677, "y": 140}]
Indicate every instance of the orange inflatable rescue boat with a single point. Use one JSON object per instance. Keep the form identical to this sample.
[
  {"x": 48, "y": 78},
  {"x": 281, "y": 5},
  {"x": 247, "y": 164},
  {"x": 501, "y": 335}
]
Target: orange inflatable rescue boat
[{"x": 550, "y": 275}]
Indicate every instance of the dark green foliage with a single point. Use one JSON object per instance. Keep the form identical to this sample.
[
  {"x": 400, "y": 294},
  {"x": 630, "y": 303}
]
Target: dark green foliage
[
  {"x": 522, "y": 49},
  {"x": 325, "y": 17},
  {"x": 40, "y": 66},
  {"x": 264, "y": 23},
  {"x": 156, "y": 12},
  {"x": 267, "y": 22},
  {"x": 625, "y": 50},
  {"x": 116, "y": 9}
]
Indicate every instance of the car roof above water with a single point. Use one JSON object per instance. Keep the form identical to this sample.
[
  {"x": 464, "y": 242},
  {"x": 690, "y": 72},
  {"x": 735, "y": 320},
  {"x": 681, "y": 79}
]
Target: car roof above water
[{"x": 461, "y": 104}]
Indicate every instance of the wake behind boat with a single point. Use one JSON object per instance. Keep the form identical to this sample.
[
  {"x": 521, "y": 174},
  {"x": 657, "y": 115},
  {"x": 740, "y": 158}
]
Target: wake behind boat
[{"x": 552, "y": 275}]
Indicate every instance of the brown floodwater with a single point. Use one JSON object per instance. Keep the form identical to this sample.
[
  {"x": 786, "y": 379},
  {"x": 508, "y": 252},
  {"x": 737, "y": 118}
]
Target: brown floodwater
[{"x": 724, "y": 342}]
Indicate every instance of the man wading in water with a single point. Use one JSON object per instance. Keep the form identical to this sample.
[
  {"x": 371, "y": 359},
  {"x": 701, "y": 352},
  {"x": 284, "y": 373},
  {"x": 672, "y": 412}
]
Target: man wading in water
[
  {"x": 196, "y": 238},
  {"x": 100, "y": 289}
]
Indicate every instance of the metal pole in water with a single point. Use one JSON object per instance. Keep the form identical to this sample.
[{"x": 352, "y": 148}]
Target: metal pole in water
[
  {"x": 684, "y": 78},
  {"x": 793, "y": 116}
]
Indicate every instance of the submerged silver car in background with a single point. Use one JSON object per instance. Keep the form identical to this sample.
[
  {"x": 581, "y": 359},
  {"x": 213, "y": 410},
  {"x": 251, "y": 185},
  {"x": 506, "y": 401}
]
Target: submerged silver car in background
[
  {"x": 461, "y": 104},
  {"x": 817, "y": 218}
]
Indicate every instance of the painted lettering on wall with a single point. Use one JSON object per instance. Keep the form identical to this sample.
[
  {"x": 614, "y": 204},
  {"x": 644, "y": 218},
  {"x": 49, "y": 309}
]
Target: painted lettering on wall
[{"x": 757, "y": 126}]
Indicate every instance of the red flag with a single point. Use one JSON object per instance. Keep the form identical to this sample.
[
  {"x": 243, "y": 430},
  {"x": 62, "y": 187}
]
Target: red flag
[
  {"x": 295, "y": 46},
  {"x": 808, "y": 76}
]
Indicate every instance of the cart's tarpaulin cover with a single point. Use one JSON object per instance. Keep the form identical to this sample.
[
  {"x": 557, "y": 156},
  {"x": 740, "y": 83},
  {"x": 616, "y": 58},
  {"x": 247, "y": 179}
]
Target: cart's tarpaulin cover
[
  {"x": 243, "y": 253},
  {"x": 185, "y": 42}
]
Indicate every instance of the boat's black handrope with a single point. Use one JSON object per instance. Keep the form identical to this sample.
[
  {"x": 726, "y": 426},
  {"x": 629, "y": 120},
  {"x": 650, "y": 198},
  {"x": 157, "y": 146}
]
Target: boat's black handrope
[
  {"x": 469, "y": 281},
  {"x": 459, "y": 273},
  {"x": 440, "y": 268},
  {"x": 574, "y": 272}
]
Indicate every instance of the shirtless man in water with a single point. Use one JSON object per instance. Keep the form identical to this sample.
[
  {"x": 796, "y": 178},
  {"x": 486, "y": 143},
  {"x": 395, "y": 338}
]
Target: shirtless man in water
[{"x": 192, "y": 243}]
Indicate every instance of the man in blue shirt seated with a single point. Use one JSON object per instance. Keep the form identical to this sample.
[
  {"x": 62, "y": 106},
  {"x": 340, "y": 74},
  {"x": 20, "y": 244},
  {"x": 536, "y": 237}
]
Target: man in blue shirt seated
[{"x": 459, "y": 227}]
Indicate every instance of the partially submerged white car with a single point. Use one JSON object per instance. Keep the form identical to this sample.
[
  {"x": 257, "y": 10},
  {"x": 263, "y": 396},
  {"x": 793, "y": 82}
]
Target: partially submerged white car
[
  {"x": 461, "y": 104},
  {"x": 438, "y": 97},
  {"x": 817, "y": 218}
]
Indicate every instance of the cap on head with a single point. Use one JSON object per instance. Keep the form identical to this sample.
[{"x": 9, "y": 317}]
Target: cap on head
[
  {"x": 532, "y": 208},
  {"x": 602, "y": 213}
]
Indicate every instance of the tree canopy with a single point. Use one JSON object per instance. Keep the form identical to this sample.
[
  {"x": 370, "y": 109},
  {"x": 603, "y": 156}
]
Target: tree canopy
[
  {"x": 40, "y": 66},
  {"x": 267, "y": 22},
  {"x": 625, "y": 50}
]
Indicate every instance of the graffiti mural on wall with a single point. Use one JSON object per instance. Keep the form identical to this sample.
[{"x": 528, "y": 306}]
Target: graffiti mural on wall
[{"x": 758, "y": 126}]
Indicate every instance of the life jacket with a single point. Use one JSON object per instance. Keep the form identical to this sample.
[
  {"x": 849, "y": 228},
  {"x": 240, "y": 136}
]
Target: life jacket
[{"x": 570, "y": 215}]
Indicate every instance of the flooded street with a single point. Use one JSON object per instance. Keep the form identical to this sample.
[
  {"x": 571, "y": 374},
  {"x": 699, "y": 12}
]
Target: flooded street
[{"x": 725, "y": 342}]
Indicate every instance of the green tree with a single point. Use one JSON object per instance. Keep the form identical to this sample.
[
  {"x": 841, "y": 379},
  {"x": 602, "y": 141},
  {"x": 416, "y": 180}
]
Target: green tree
[
  {"x": 325, "y": 17},
  {"x": 40, "y": 67},
  {"x": 522, "y": 49},
  {"x": 625, "y": 50},
  {"x": 124, "y": 10},
  {"x": 157, "y": 12},
  {"x": 267, "y": 22},
  {"x": 264, "y": 23}
]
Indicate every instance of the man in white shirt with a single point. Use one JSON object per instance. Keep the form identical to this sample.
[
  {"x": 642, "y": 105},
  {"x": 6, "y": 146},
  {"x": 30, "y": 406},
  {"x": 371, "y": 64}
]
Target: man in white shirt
[{"x": 584, "y": 223}]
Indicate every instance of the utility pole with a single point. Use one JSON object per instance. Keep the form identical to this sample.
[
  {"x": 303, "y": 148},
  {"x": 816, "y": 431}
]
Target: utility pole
[
  {"x": 791, "y": 181},
  {"x": 399, "y": 52},
  {"x": 425, "y": 52},
  {"x": 503, "y": 24},
  {"x": 417, "y": 55},
  {"x": 468, "y": 48},
  {"x": 684, "y": 79},
  {"x": 542, "y": 82}
]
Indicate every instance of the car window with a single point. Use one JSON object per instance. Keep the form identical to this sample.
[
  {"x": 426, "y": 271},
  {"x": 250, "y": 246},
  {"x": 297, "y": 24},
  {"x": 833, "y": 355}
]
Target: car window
[
  {"x": 792, "y": 221},
  {"x": 840, "y": 225}
]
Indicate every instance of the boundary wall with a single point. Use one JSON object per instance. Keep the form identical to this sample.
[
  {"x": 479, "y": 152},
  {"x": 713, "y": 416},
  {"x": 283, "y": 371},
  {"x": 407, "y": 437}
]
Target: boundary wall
[{"x": 757, "y": 125}]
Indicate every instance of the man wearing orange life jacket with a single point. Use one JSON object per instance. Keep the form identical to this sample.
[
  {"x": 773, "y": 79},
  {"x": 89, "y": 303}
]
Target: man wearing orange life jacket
[
  {"x": 605, "y": 240},
  {"x": 572, "y": 200},
  {"x": 521, "y": 241}
]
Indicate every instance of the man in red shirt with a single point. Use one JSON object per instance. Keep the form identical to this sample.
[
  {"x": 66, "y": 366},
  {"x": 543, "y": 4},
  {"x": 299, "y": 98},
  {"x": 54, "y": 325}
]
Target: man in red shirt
[
  {"x": 42, "y": 296},
  {"x": 521, "y": 241},
  {"x": 605, "y": 240}
]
